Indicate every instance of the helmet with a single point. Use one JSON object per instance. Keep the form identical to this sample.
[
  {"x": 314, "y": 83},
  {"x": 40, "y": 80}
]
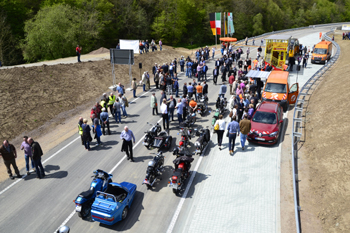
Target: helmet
[
  {"x": 151, "y": 163},
  {"x": 63, "y": 229}
]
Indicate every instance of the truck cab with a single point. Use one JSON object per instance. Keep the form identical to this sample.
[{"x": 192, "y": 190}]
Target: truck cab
[
  {"x": 277, "y": 89},
  {"x": 322, "y": 52}
]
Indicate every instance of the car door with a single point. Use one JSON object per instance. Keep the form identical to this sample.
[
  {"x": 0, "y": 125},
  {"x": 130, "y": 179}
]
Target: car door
[{"x": 293, "y": 93}]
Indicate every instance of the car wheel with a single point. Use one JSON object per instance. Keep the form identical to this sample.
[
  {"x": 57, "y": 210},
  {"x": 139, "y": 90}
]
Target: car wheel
[
  {"x": 85, "y": 211},
  {"x": 124, "y": 213},
  {"x": 175, "y": 191}
]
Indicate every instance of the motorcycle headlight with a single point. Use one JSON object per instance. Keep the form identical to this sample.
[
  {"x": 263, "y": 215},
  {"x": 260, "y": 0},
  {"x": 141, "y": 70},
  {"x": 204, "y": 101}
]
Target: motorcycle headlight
[{"x": 273, "y": 134}]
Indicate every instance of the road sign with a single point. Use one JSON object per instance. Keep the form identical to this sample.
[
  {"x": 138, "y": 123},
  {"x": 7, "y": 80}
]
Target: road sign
[{"x": 122, "y": 56}]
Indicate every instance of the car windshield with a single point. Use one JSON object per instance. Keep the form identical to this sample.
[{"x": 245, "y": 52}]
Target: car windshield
[
  {"x": 276, "y": 88},
  {"x": 320, "y": 51},
  {"x": 265, "y": 117}
]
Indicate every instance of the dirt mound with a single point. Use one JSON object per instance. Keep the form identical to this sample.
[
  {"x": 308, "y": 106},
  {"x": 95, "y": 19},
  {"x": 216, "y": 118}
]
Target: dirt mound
[
  {"x": 43, "y": 99},
  {"x": 99, "y": 51},
  {"x": 324, "y": 164}
]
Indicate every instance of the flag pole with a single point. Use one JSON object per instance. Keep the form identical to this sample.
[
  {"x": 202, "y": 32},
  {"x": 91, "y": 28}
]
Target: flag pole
[{"x": 224, "y": 24}]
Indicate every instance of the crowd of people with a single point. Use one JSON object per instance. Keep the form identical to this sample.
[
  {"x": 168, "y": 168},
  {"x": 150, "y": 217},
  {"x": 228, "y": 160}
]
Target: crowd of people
[{"x": 346, "y": 36}]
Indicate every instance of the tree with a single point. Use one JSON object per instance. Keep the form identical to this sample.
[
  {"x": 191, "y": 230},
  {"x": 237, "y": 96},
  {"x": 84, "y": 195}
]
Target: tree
[
  {"x": 56, "y": 30},
  {"x": 258, "y": 24},
  {"x": 8, "y": 55}
]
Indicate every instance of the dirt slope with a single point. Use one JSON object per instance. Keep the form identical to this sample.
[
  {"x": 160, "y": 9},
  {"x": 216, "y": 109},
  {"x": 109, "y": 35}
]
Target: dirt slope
[
  {"x": 324, "y": 164},
  {"x": 45, "y": 101}
]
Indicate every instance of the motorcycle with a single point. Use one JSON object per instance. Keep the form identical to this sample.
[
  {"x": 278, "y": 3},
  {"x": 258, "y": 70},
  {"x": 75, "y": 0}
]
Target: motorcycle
[
  {"x": 151, "y": 134},
  {"x": 184, "y": 142},
  {"x": 201, "y": 108},
  {"x": 202, "y": 141},
  {"x": 162, "y": 140},
  {"x": 221, "y": 104},
  {"x": 84, "y": 200},
  {"x": 181, "y": 172},
  {"x": 154, "y": 169},
  {"x": 190, "y": 120}
]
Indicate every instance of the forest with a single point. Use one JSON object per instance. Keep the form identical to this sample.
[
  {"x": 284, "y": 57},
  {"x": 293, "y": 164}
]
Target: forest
[{"x": 36, "y": 30}]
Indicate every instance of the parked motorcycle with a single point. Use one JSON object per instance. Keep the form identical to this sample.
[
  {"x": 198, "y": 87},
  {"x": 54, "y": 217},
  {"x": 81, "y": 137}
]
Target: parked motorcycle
[
  {"x": 151, "y": 134},
  {"x": 181, "y": 172},
  {"x": 84, "y": 200},
  {"x": 201, "y": 108},
  {"x": 162, "y": 140},
  {"x": 190, "y": 120},
  {"x": 221, "y": 104},
  {"x": 154, "y": 169},
  {"x": 203, "y": 140},
  {"x": 184, "y": 142}
]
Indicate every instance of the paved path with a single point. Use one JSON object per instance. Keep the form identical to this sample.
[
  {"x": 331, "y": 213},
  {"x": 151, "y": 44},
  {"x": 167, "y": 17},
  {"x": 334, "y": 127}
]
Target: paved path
[{"x": 241, "y": 193}]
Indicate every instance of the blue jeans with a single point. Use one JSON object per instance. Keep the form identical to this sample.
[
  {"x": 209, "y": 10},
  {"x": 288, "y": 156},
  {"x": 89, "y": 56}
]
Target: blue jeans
[
  {"x": 98, "y": 139},
  {"x": 171, "y": 73},
  {"x": 177, "y": 92},
  {"x": 26, "y": 157},
  {"x": 124, "y": 111},
  {"x": 78, "y": 54},
  {"x": 182, "y": 68},
  {"x": 243, "y": 139},
  {"x": 199, "y": 76},
  {"x": 179, "y": 117},
  {"x": 231, "y": 141},
  {"x": 118, "y": 116},
  {"x": 134, "y": 92},
  {"x": 213, "y": 55},
  {"x": 144, "y": 87},
  {"x": 189, "y": 72},
  {"x": 39, "y": 168},
  {"x": 160, "y": 48},
  {"x": 87, "y": 144},
  {"x": 171, "y": 113}
]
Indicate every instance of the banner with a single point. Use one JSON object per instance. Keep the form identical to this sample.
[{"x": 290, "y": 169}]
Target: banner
[
  {"x": 130, "y": 44},
  {"x": 212, "y": 23},
  {"x": 218, "y": 23},
  {"x": 345, "y": 27},
  {"x": 231, "y": 29}
]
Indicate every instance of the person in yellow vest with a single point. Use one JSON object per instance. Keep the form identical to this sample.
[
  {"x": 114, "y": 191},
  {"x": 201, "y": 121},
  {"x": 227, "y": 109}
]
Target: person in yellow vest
[
  {"x": 111, "y": 101},
  {"x": 81, "y": 129}
]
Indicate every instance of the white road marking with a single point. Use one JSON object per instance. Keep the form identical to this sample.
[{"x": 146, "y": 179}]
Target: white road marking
[
  {"x": 24, "y": 176},
  {"x": 115, "y": 167},
  {"x": 183, "y": 198}
]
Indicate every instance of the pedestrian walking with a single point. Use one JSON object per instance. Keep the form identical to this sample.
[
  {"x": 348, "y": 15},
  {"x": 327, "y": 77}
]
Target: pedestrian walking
[
  {"x": 97, "y": 129},
  {"x": 179, "y": 108},
  {"x": 245, "y": 127},
  {"x": 78, "y": 52},
  {"x": 233, "y": 130},
  {"x": 9, "y": 155},
  {"x": 117, "y": 106},
  {"x": 134, "y": 87},
  {"x": 154, "y": 103},
  {"x": 215, "y": 74},
  {"x": 144, "y": 81},
  {"x": 80, "y": 122},
  {"x": 128, "y": 138},
  {"x": 37, "y": 153},
  {"x": 27, "y": 153},
  {"x": 176, "y": 86},
  {"x": 246, "y": 41},
  {"x": 223, "y": 90},
  {"x": 86, "y": 134},
  {"x": 164, "y": 111},
  {"x": 160, "y": 45},
  {"x": 105, "y": 121},
  {"x": 124, "y": 103},
  {"x": 219, "y": 128}
]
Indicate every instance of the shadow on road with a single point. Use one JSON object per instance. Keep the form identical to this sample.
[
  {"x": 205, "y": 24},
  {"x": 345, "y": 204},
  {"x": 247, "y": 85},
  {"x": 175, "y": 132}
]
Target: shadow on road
[
  {"x": 200, "y": 177},
  {"x": 133, "y": 215}
]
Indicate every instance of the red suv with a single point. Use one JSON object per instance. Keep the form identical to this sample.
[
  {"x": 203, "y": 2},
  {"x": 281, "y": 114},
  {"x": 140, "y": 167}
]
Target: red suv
[{"x": 266, "y": 123}]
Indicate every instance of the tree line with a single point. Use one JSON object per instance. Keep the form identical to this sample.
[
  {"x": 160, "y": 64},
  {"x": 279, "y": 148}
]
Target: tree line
[{"x": 35, "y": 30}]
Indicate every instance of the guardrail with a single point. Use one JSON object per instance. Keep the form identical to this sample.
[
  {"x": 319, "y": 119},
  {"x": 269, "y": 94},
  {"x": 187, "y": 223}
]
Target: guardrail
[{"x": 297, "y": 123}]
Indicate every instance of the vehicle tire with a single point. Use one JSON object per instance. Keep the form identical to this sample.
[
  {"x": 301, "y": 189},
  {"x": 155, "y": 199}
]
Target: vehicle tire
[
  {"x": 125, "y": 213},
  {"x": 85, "y": 211},
  {"x": 149, "y": 186},
  {"x": 175, "y": 191}
]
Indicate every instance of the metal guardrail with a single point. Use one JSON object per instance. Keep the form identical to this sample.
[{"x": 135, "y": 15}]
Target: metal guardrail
[{"x": 297, "y": 123}]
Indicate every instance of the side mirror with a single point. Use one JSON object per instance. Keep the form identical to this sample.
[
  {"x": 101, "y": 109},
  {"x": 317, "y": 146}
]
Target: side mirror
[{"x": 281, "y": 121}]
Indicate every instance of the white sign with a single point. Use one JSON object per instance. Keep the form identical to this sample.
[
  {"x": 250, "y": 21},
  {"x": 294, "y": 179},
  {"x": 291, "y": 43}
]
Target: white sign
[
  {"x": 345, "y": 27},
  {"x": 130, "y": 44}
]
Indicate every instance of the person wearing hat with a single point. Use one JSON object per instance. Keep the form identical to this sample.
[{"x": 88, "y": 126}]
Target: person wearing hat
[{"x": 105, "y": 121}]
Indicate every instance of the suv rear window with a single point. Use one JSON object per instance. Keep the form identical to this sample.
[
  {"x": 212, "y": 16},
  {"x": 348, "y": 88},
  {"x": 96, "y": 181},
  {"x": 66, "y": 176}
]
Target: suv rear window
[
  {"x": 265, "y": 117},
  {"x": 276, "y": 88}
]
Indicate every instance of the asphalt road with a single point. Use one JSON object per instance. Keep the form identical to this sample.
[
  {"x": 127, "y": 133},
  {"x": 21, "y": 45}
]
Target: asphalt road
[{"x": 33, "y": 205}]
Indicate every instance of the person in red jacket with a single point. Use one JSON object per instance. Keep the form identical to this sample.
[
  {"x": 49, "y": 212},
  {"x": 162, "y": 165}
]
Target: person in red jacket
[
  {"x": 231, "y": 80},
  {"x": 78, "y": 51}
]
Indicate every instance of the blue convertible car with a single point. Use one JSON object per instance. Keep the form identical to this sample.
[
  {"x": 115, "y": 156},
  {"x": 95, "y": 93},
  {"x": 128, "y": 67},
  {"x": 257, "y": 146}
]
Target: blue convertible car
[{"x": 113, "y": 205}]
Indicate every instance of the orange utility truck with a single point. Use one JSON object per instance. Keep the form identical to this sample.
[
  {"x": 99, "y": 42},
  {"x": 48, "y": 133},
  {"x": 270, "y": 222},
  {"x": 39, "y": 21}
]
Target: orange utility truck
[{"x": 322, "y": 52}]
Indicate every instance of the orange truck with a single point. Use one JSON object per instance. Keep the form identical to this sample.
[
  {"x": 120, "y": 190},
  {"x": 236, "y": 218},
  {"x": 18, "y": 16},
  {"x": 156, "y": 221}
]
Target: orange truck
[
  {"x": 277, "y": 89},
  {"x": 322, "y": 52}
]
